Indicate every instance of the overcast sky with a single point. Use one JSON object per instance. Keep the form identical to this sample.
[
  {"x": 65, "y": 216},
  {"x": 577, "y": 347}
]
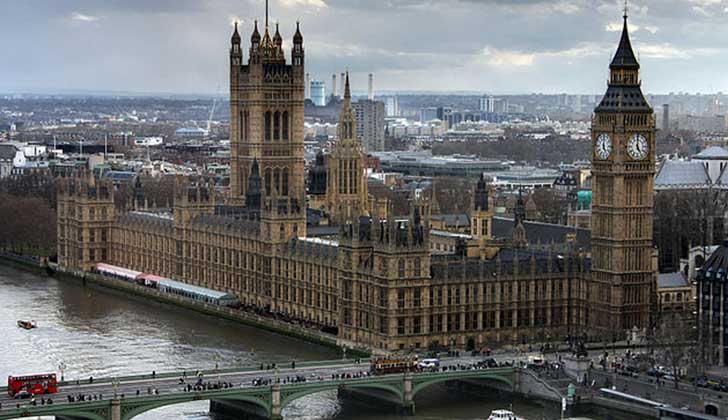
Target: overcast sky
[{"x": 499, "y": 46}]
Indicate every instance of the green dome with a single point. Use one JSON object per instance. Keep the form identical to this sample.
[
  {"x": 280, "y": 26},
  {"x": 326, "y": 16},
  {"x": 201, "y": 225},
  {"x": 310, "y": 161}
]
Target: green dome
[{"x": 584, "y": 199}]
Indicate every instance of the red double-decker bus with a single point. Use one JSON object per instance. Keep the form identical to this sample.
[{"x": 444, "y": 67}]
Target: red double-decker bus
[{"x": 35, "y": 384}]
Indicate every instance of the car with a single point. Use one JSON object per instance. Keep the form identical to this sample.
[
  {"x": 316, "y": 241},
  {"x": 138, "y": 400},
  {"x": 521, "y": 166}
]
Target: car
[
  {"x": 668, "y": 377},
  {"x": 22, "y": 395},
  {"x": 429, "y": 363}
]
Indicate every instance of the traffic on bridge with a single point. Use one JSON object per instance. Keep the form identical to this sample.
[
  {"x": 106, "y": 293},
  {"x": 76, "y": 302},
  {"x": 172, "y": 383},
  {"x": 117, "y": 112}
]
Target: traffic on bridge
[{"x": 157, "y": 389}]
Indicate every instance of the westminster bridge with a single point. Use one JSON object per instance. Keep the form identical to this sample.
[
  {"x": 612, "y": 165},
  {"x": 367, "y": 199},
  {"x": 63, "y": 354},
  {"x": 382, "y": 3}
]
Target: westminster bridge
[{"x": 262, "y": 393}]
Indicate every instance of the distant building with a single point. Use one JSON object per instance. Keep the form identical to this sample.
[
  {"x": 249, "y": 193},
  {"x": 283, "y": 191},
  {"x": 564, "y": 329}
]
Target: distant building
[
  {"x": 370, "y": 124},
  {"x": 10, "y": 157},
  {"x": 318, "y": 92},
  {"x": 665, "y": 116},
  {"x": 191, "y": 133},
  {"x": 428, "y": 114},
  {"x": 487, "y": 104},
  {"x": 392, "y": 106},
  {"x": 424, "y": 164}
]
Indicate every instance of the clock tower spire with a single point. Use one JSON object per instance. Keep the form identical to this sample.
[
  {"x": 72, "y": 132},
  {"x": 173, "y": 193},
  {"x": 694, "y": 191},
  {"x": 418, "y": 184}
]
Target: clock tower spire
[{"x": 623, "y": 161}]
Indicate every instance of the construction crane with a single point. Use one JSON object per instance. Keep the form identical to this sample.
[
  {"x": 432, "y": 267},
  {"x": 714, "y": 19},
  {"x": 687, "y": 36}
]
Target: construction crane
[{"x": 212, "y": 112}]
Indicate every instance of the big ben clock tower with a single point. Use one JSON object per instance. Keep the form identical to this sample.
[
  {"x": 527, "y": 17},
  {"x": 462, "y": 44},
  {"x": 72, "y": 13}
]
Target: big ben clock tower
[{"x": 623, "y": 167}]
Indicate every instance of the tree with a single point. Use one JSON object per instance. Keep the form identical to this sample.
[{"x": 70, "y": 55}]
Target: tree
[
  {"x": 551, "y": 207},
  {"x": 454, "y": 195},
  {"x": 27, "y": 225},
  {"x": 685, "y": 218},
  {"x": 675, "y": 343}
]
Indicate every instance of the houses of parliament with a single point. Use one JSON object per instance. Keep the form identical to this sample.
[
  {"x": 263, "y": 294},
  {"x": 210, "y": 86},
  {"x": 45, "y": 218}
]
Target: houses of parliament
[{"x": 378, "y": 283}]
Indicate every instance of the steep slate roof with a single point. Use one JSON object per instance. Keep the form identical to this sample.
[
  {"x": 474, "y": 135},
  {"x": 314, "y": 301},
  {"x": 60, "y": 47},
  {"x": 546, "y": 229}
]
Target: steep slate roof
[
  {"x": 671, "y": 280},
  {"x": 622, "y": 97},
  {"x": 453, "y": 220},
  {"x": 544, "y": 233},
  {"x": 453, "y": 266},
  {"x": 678, "y": 174},
  {"x": 624, "y": 57},
  {"x": 712, "y": 152},
  {"x": 716, "y": 267}
]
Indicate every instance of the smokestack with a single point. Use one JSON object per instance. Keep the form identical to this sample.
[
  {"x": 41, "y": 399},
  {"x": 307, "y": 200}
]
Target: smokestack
[
  {"x": 341, "y": 92},
  {"x": 371, "y": 87},
  {"x": 333, "y": 85},
  {"x": 307, "y": 88}
]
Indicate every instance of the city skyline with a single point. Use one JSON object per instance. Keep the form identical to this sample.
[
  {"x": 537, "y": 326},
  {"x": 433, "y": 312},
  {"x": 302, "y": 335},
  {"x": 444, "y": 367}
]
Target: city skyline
[{"x": 490, "y": 46}]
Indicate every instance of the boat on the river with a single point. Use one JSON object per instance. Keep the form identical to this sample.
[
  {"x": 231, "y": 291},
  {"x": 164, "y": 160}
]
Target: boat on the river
[
  {"x": 503, "y": 415},
  {"x": 28, "y": 325}
]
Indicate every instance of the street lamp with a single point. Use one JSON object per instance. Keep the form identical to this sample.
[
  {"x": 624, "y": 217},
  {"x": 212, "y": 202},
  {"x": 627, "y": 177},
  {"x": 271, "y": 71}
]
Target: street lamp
[
  {"x": 217, "y": 358},
  {"x": 115, "y": 386},
  {"x": 62, "y": 368}
]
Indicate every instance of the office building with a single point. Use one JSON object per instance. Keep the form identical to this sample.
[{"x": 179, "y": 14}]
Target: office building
[
  {"x": 370, "y": 124},
  {"x": 318, "y": 92}
]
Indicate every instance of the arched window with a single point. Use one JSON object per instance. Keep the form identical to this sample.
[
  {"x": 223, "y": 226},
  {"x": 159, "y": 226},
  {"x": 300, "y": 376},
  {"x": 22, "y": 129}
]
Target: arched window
[
  {"x": 277, "y": 126},
  {"x": 268, "y": 181},
  {"x": 277, "y": 181},
  {"x": 284, "y": 125},
  {"x": 400, "y": 268},
  {"x": 418, "y": 267},
  {"x": 267, "y": 125},
  {"x": 242, "y": 125},
  {"x": 284, "y": 188},
  {"x": 246, "y": 126}
]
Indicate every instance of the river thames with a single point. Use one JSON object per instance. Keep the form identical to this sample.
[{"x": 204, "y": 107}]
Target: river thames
[{"x": 103, "y": 334}]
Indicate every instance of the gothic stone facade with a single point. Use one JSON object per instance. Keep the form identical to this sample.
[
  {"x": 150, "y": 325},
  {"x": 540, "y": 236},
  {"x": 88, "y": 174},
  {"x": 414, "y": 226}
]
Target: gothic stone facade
[{"x": 378, "y": 283}]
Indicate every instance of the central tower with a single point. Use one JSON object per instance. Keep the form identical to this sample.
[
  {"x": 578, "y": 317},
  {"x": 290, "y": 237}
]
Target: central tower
[
  {"x": 623, "y": 159},
  {"x": 266, "y": 117},
  {"x": 347, "y": 192}
]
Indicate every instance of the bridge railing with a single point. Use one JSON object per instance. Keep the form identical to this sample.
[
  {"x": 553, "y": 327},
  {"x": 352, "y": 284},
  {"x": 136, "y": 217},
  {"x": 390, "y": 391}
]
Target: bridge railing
[{"x": 193, "y": 371}]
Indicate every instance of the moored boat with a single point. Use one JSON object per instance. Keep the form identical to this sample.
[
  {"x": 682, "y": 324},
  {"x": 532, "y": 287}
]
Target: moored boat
[
  {"x": 28, "y": 325},
  {"x": 503, "y": 415}
]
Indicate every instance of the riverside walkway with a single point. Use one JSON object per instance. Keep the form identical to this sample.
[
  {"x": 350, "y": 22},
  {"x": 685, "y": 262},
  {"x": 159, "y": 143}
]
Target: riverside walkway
[{"x": 262, "y": 391}]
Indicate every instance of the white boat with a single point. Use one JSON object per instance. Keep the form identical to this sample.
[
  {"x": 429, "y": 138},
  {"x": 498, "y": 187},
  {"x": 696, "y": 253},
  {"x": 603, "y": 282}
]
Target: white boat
[{"x": 503, "y": 415}]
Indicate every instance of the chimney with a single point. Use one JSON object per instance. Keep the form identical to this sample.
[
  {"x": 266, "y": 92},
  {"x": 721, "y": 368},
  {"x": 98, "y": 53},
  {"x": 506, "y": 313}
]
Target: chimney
[
  {"x": 371, "y": 87},
  {"x": 307, "y": 88},
  {"x": 342, "y": 84},
  {"x": 333, "y": 85}
]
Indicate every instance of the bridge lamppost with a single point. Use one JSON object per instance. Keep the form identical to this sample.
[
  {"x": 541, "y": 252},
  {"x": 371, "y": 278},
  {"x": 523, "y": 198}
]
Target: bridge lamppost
[
  {"x": 217, "y": 358},
  {"x": 115, "y": 386},
  {"x": 62, "y": 368}
]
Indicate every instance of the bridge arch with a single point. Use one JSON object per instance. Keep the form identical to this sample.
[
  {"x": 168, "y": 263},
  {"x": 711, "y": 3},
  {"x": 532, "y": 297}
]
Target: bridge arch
[
  {"x": 61, "y": 411},
  {"x": 288, "y": 397},
  {"x": 70, "y": 414},
  {"x": 129, "y": 412},
  {"x": 422, "y": 384}
]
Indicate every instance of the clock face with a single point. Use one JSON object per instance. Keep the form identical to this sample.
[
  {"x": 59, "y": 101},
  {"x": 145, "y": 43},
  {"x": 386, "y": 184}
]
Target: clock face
[
  {"x": 637, "y": 147},
  {"x": 603, "y": 146}
]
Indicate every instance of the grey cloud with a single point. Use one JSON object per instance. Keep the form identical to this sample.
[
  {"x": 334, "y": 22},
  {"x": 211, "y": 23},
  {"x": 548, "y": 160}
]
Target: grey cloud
[{"x": 181, "y": 45}]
